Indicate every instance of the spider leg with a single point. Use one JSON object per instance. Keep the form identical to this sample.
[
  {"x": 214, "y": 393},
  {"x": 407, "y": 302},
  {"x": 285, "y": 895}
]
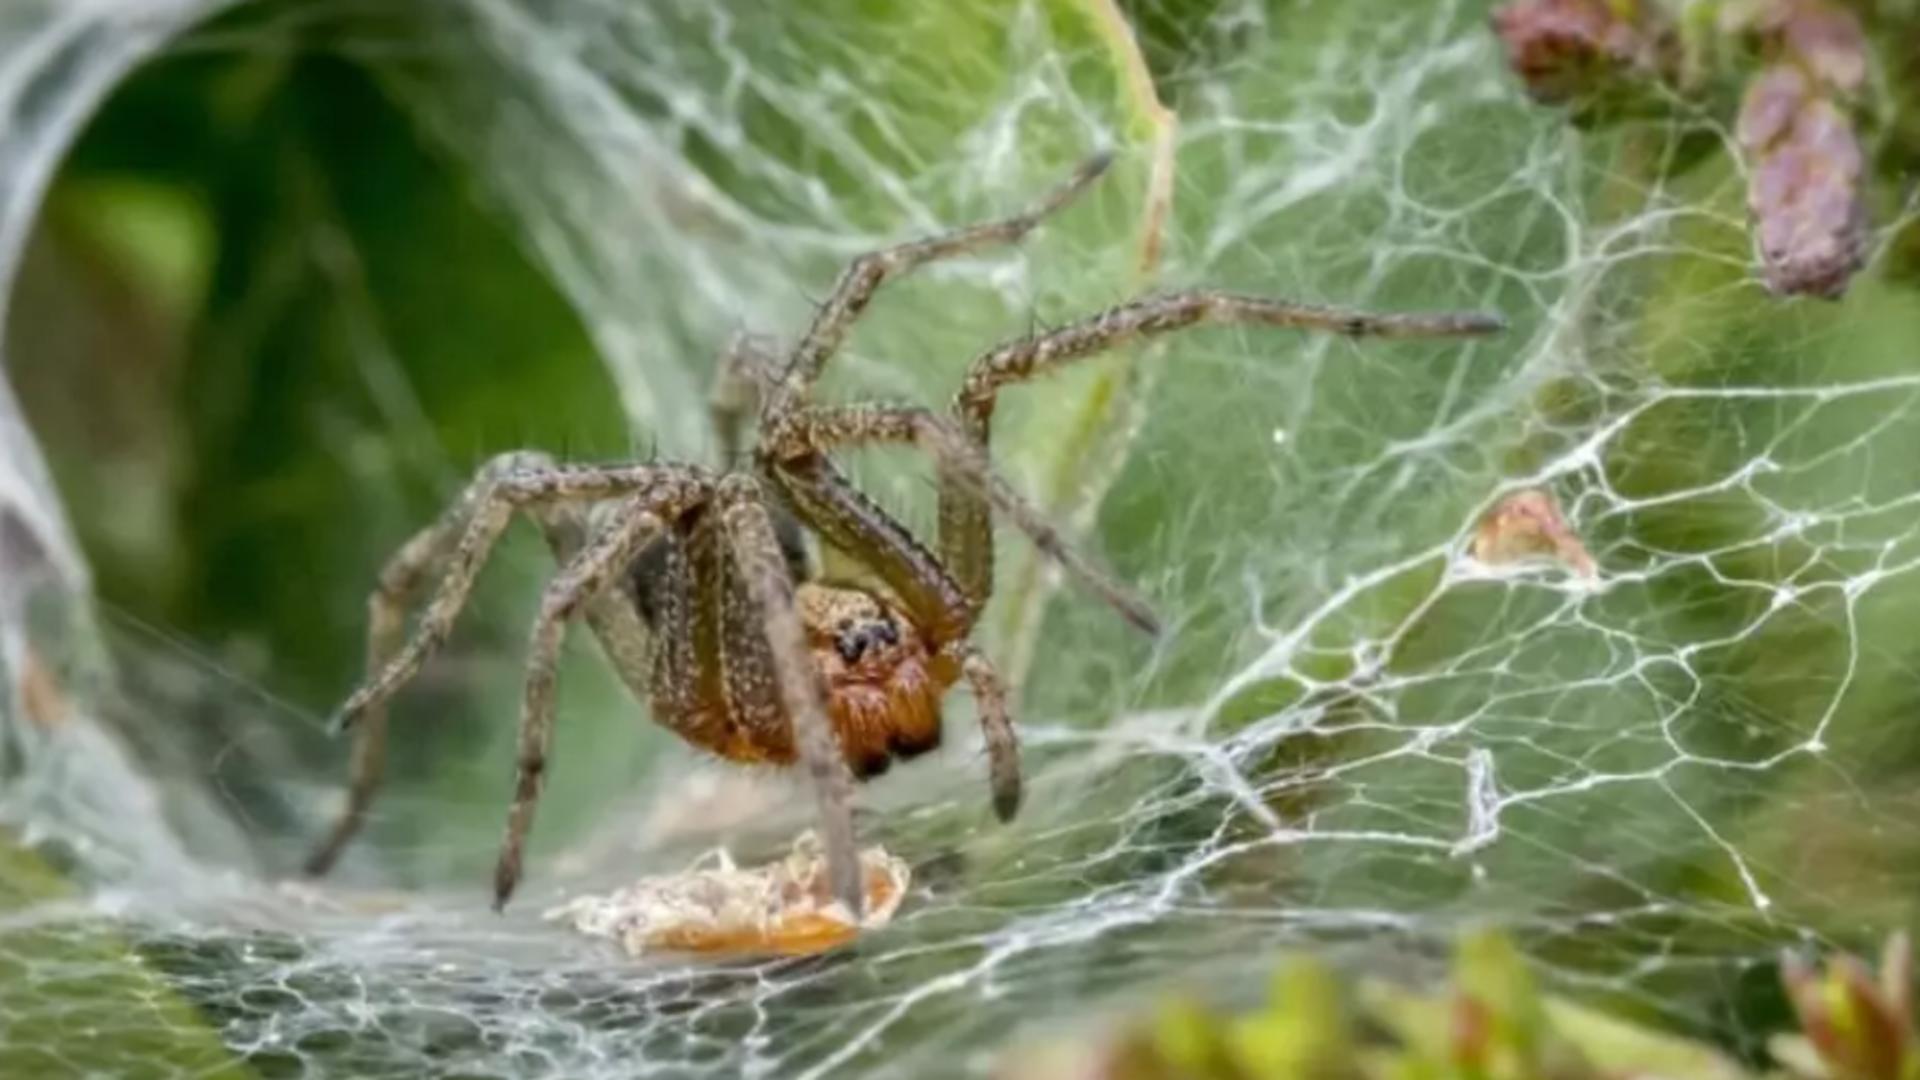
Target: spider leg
[
  {"x": 835, "y": 508},
  {"x": 386, "y": 619},
  {"x": 996, "y": 725},
  {"x": 966, "y": 535},
  {"x": 396, "y": 589},
  {"x": 864, "y": 276},
  {"x": 756, "y": 554},
  {"x": 851, "y": 521},
  {"x": 584, "y": 577},
  {"x": 748, "y": 371},
  {"x": 747, "y": 368},
  {"x": 1152, "y": 316},
  {"x": 847, "y": 519},
  {"x": 493, "y": 500}
]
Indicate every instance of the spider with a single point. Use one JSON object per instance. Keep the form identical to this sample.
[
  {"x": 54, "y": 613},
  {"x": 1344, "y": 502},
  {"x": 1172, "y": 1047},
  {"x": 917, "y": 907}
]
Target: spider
[{"x": 695, "y": 581}]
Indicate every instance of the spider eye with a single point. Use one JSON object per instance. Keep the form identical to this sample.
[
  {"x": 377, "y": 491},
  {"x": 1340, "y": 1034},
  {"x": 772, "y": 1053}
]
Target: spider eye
[
  {"x": 852, "y": 645},
  {"x": 887, "y": 632}
]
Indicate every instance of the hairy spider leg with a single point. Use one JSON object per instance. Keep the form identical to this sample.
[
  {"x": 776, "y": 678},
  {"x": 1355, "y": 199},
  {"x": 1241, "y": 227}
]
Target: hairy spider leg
[
  {"x": 727, "y": 641},
  {"x": 396, "y": 590},
  {"x": 996, "y": 726},
  {"x": 748, "y": 365},
  {"x": 493, "y": 508},
  {"x": 849, "y": 520},
  {"x": 755, "y": 551},
  {"x": 867, "y": 273},
  {"x": 586, "y": 575},
  {"x": 819, "y": 429},
  {"x": 464, "y": 536},
  {"x": 966, "y": 527},
  {"x": 717, "y": 677}
]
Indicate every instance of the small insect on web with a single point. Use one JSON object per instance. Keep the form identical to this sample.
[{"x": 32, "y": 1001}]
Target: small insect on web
[{"x": 693, "y": 582}]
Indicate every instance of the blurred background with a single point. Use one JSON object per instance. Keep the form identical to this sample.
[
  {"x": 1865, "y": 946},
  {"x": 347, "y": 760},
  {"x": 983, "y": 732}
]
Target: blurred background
[{"x": 283, "y": 274}]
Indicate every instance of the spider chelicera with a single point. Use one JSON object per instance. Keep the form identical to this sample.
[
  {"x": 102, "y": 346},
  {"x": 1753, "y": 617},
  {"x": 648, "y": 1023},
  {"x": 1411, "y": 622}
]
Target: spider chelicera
[{"x": 695, "y": 581}]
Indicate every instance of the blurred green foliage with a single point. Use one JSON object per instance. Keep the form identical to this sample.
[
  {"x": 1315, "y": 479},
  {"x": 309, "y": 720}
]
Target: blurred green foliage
[
  {"x": 326, "y": 326},
  {"x": 265, "y": 331},
  {"x": 1489, "y": 1022}
]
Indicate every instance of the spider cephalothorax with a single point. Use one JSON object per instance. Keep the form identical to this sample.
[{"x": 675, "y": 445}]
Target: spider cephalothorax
[
  {"x": 693, "y": 581},
  {"x": 882, "y": 683}
]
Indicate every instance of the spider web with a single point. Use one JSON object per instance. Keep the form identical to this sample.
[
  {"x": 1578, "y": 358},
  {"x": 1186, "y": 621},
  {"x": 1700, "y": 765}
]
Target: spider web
[{"x": 1352, "y": 738}]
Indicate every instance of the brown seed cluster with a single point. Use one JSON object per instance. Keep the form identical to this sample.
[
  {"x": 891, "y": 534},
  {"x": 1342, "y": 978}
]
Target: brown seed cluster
[
  {"x": 1803, "y": 153},
  {"x": 1796, "y": 126},
  {"x": 1575, "y": 51}
]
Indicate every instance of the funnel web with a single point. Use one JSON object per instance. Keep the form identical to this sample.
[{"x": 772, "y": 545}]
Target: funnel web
[{"x": 1362, "y": 731}]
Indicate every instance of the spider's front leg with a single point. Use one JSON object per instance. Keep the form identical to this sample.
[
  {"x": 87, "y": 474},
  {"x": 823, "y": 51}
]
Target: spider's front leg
[
  {"x": 717, "y": 592},
  {"x": 936, "y": 604},
  {"x": 755, "y": 554},
  {"x": 795, "y": 454}
]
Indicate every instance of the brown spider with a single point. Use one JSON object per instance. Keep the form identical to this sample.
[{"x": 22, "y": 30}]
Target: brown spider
[{"x": 687, "y": 575}]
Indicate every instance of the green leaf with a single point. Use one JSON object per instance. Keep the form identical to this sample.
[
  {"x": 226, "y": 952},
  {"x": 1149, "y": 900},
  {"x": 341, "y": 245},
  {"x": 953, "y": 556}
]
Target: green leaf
[{"x": 78, "y": 1001}]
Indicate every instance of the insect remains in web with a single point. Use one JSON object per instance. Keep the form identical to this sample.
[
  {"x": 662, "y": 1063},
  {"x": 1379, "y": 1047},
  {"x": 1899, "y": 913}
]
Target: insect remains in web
[
  {"x": 715, "y": 907},
  {"x": 695, "y": 583}
]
